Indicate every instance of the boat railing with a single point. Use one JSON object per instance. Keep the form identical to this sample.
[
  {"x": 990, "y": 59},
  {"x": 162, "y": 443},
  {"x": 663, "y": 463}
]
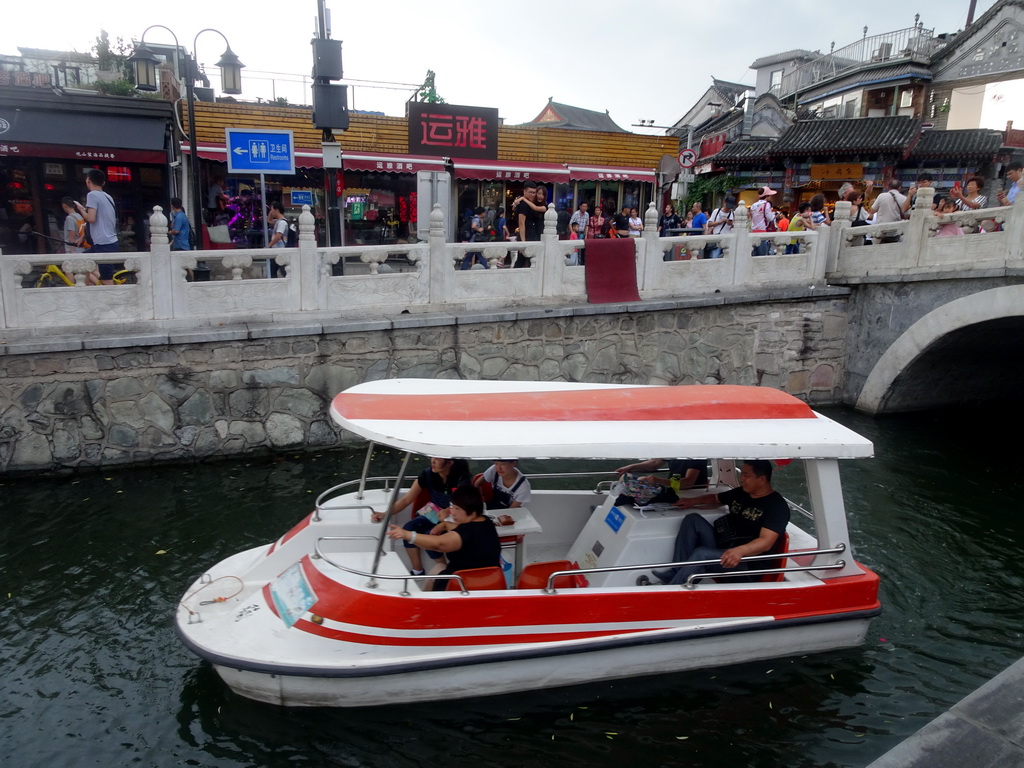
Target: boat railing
[
  {"x": 550, "y": 587},
  {"x": 361, "y": 482},
  {"x": 405, "y": 578},
  {"x": 796, "y": 507}
]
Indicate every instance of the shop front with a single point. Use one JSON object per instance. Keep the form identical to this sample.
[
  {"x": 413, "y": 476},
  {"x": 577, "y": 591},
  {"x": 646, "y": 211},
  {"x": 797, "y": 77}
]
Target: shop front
[{"x": 49, "y": 141}]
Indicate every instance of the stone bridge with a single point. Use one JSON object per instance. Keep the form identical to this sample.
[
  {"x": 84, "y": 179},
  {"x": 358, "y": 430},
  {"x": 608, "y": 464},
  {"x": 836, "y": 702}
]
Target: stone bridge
[{"x": 165, "y": 369}]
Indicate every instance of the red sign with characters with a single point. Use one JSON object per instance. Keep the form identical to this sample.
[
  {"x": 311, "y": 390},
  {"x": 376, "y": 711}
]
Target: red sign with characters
[{"x": 447, "y": 130}]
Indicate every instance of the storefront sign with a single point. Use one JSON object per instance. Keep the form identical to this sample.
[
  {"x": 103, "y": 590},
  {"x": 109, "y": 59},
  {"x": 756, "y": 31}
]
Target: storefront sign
[
  {"x": 25, "y": 79},
  {"x": 447, "y": 130},
  {"x": 838, "y": 171},
  {"x": 85, "y": 154}
]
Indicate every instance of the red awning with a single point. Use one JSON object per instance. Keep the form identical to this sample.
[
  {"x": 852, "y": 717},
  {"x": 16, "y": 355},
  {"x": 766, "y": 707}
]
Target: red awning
[
  {"x": 608, "y": 173},
  {"x": 377, "y": 162},
  {"x": 488, "y": 170},
  {"x": 86, "y": 155},
  {"x": 305, "y": 157}
]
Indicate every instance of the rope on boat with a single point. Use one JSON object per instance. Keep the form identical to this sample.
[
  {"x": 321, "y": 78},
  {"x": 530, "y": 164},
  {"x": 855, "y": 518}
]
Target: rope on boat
[{"x": 218, "y": 599}]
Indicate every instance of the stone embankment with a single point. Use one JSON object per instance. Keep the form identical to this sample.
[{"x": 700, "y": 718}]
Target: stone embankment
[{"x": 250, "y": 388}]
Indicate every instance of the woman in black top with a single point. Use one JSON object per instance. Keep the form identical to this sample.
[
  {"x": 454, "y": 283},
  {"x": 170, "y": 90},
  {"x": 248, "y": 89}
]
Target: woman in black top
[
  {"x": 473, "y": 543},
  {"x": 439, "y": 481}
]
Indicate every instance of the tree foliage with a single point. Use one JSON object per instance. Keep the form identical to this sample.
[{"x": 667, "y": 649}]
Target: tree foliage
[
  {"x": 707, "y": 187},
  {"x": 114, "y": 58}
]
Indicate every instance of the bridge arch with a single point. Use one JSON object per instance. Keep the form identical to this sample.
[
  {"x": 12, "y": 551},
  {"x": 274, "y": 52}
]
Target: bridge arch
[{"x": 967, "y": 350}]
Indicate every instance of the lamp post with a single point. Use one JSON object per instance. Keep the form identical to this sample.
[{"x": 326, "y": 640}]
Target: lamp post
[{"x": 144, "y": 62}]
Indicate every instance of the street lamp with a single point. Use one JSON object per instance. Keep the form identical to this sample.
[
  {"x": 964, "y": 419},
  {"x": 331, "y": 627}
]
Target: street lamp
[{"x": 144, "y": 61}]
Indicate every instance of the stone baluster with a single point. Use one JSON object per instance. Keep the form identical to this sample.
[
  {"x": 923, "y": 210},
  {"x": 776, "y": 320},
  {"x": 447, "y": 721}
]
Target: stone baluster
[
  {"x": 552, "y": 267},
  {"x": 650, "y": 257},
  {"x": 168, "y": 293},
  {"x": 440, "y": 272},
  {"x": 915, "y": 236},
  {"x": 305, "y": 270},
  {"x": 1014, "y": 227},
  {"x": 831, "y": 241},
  {"x": 742, "y": 243}
]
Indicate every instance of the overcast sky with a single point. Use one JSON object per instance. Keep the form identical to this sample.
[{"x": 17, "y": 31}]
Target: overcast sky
[{"x": 647, "y": 59}]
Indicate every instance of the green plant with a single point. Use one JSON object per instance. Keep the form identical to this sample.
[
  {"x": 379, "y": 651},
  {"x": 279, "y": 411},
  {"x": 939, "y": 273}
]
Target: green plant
[{"x": 707, "y": 186}]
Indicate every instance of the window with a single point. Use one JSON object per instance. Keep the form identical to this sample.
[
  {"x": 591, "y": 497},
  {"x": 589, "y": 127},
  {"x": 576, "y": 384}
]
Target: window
[
  {"x": 776, "y": 79},
  {"x": 906, "y": 99}
]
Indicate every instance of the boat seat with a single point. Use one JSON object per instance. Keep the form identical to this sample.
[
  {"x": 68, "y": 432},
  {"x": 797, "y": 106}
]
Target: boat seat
[
  {"x": 780, "y": 563},
  {"x": 535, "y": 575},
  {"x": 479, "y": 578},
  {"x": 486, "y": 489}
]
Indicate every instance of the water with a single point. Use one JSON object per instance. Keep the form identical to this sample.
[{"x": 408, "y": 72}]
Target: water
[{"x": 92, "y": 673}]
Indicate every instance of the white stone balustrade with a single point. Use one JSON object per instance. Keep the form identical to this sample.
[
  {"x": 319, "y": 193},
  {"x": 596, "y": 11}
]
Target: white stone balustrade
[{"x": 426, "y": 276}]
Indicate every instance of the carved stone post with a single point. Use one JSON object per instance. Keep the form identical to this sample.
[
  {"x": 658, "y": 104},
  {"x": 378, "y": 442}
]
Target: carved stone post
[
  {"x": 650, "y": 257},
  {"x": 551, "y": 266},
  {"x": 305, "y": 268},
  {"x": 440, "y": 267},
  {"x": 168, "y": 283},
  {"x": 830, "y": 241},
  {"x": 741, "y": 245},
  {"x": 915, "y": 237},
  {"x": 1015, "y": 230}
]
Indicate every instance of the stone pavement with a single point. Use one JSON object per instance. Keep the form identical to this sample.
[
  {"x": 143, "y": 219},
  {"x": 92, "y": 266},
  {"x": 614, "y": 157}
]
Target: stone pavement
[{"x": 985, "y": 730}]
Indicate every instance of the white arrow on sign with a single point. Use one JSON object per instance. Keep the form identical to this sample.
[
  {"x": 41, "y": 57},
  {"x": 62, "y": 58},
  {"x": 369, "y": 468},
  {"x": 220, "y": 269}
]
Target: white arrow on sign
[{"x": 240, "y": 151}]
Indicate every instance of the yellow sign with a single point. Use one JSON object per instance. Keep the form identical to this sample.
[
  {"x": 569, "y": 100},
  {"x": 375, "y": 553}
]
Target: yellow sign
[{"x": 838, "y": 171}]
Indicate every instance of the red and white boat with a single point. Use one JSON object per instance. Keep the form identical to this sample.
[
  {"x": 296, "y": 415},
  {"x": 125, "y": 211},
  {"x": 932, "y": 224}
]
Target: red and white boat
[{"x": 328, "y": 614}]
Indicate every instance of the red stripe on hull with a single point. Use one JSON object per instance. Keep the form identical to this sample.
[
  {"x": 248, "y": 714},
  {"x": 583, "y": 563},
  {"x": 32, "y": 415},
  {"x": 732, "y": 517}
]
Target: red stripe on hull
[
  {"x": 366, "y": 639},
  {"x": 697, "y": 402},
  {"x": 579, "y": 607},
  {"x": 296, "y": 529}
]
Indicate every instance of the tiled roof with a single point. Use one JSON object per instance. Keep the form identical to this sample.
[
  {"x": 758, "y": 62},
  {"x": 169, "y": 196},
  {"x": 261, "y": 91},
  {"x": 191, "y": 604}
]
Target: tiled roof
[
  {"x": 580, "y": 119},
  {"x": 864, "y": 77},
  {"x": 745, "y": 151},
  {"x": 731, "y": 91},
  {"x": 971, "y": 142},
  {"x": 778, "y": 58},
  {"x": 848, "y": 136}
]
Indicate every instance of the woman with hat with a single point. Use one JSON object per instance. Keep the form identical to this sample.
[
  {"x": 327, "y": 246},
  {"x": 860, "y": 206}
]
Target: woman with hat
[{"x": 762, "y": 218}]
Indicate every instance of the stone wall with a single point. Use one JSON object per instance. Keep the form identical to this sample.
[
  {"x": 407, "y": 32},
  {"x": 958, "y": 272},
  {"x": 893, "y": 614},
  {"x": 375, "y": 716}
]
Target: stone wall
[{"x": 147, "y": 403}]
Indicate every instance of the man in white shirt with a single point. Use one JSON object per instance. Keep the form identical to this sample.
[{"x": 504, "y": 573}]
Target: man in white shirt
[{"x": 888, "y": 208}]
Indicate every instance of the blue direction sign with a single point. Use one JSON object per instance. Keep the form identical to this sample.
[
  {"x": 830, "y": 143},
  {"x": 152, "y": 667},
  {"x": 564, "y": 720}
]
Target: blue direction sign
[
  {"x": 302, "y": 197},
  {"x": 260, "y": 151}
]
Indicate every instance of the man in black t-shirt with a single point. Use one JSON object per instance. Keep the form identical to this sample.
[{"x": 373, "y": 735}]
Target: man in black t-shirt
[{"x": 754, "y": 525}]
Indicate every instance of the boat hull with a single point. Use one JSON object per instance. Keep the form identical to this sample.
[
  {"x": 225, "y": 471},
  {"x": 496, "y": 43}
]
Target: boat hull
[{"x": 611, "y": 659}]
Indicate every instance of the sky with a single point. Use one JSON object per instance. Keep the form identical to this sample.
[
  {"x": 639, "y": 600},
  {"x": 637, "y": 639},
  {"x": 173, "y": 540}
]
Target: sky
[{"x": 641, "y": 60}]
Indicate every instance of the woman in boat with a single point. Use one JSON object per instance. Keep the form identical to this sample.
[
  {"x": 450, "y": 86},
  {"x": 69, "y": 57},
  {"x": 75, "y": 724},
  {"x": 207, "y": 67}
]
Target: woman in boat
[
  {"x": 473, "y": 543},
  {"x": 438, "y": 482}
]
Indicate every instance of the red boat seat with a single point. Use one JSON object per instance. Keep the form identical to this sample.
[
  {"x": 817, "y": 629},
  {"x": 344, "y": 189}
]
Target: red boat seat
[
  {"x": 777, "y": 563},
  {"x": 479, "y": 578},
  {"x": 486, "y": 489},
  {"x": 535, "y": 575}
]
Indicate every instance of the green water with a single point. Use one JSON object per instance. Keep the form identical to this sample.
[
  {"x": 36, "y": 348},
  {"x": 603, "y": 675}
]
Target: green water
[{"x": 91, "y": 567}]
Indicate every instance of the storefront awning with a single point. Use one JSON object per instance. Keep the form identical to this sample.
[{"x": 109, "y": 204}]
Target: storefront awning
[
  {"x": 602, "y": 173},
  {"x": 89, "y": 138},
  {"x": 376, "y": 162},
  {"x": 305, "y": 157},
  {"x": 488, "y": 170}
]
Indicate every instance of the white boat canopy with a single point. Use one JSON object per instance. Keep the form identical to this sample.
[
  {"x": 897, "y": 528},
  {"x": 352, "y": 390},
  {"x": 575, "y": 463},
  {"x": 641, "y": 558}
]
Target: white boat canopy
[{"x": 511, "y": 419}]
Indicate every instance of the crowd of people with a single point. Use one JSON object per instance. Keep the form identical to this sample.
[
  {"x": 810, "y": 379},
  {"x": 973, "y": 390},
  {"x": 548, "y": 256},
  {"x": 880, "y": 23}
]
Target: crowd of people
[{"x": 888, "y": 206}]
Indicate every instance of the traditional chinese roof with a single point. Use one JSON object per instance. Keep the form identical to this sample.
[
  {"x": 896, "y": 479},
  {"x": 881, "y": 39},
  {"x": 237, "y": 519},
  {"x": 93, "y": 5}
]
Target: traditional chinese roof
[
  {"x": 730, "y": 91},
  {"x": 745, "y": 151},
  {"x": 555, "y": 115},
  {"x": 778, "y": 58},
  {"x": 865, "y": 77},
  {"x": 962, "y": 40},
  {"x": 971, "y": 142},
  {"x": 885, "y": 135},
  {"x": 45, "y": 53}
]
